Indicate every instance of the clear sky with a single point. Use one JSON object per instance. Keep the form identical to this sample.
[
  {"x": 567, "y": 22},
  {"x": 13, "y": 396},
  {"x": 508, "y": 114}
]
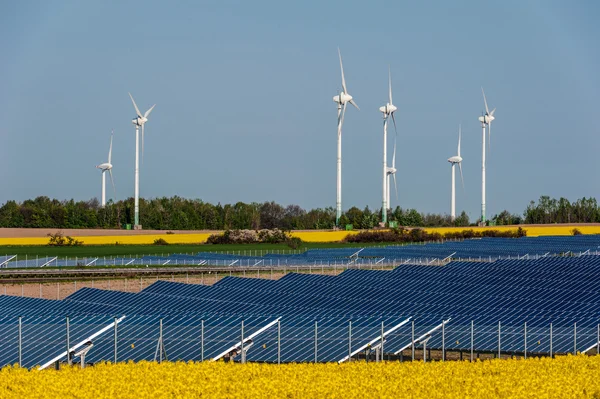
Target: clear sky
[{"x": 244, "y": 99}]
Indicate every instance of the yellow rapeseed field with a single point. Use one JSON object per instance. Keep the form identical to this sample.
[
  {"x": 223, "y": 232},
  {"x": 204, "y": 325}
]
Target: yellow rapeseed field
[
  {"x": 563, "y": 377},
  {"x": 307, "y": 236}
]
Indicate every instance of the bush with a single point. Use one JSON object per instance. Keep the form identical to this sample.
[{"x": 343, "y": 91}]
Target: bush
[
  {"x": 265, "y": 236},
  {"x": 576, "y": 232},
  {"x": 59, "y": 240},
  {"x": 160, "y": 241}
]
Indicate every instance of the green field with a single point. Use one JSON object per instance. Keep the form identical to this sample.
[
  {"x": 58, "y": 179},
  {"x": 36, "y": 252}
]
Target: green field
[{"x": 122, "y": 250}]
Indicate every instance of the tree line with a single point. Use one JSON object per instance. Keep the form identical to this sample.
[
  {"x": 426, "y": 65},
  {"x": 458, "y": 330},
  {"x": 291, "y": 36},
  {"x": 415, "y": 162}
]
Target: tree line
[{"x": 176, "y": 213}]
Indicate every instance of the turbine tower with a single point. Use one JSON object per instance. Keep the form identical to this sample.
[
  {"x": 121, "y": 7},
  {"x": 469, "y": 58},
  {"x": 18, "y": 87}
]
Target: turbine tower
[
  {"x": 139, "y": 121},
  {"x": 457, "y": 159},
  {"x": 342, "y": 99},
  {"x": 387, "y": 110},
  {"x": 391, "y": 171},
  {"x": 107, "y": 166},
  {"x": 486, "y": 121}
]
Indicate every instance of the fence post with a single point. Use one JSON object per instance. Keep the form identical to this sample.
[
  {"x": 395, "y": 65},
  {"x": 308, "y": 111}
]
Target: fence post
[
  {"x": 349, "y": 340},
  {"x": 116, "y": 335},
  {"x": 412, "y": 339},
  {"x": 525, "y": 339},
  {"x": 68, "y": 343},
  {"x": 58, "y": 291},
  {"x": 316, "y": 342},
  {"x": 472, "y": 338},
  {"x": 443, "y": 340},
  {"x": 40, "y": 290},
  {"x": 499, "y": 340},
  {"x": 550, "y": 339},
  {"x": 202, "y": 341},
  {"x": 278, "y": 341},
  {"x": 20, "y": 341}
]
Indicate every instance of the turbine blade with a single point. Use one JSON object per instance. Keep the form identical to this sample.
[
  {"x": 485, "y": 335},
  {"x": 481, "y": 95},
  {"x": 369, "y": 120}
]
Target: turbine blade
[
  {"x": 396, "y": 186},
  {"x": 461, "y": 175},
  {"x": 342, "y": 69},
  {"x": 459, "y": 134},
  {"x": 489, "y": 136},
  {"x": 390, "y": 83},
  {"x": 110, "y": 148},
  {"x": 487, "y": 111},
  {"x": 143, "y": 143},
  {"x": 353, "y": 103},
  {"x": 343, "y": 115},
  {"x": 150, "y": 110},
  {"x": 492, "y": 113},
  {"x": 113, "y": 183},
  {"x": 394, "y": 155},
  {"x": 135, "y": 106},
  {"x": 395, "y": 127}
]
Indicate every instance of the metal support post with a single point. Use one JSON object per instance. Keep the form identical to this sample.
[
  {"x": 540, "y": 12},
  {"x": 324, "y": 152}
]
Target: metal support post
[
  {"x": 116, "y": 337},
  {"x": 160, "y": 341},
  {"x": 20, "y": 341},
  {"x": 443, "y": 340},
  {"x": 472, "y": 339},
  {"x": 242, "y": 341},
  {"x": 499, "y": 340},
  {"x": 316, "y": 342},
  {"x": 412, "y": 340},
  {"x": 525, "y": 339},
  {"x": 349, "y": 340},
  {"x": 69, "y": 360},
  {"x": 550, "y": 339},
  {"x": 381, "y": 346},
  {"x": 202, "y": 341},
  {"x": 278, "y": 342},
  {"x": 575, "y": 338}
]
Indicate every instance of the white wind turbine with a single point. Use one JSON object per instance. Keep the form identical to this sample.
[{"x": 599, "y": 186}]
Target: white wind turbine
[
  {"x": 486, "y": 121},
  {"x": 457, "y": 159},
  {"x": 107, "y": 167},
  {"x": 342, "y": 99},
  {"x": 140, "y": 120},
  {"x": 388, "y": 110}
]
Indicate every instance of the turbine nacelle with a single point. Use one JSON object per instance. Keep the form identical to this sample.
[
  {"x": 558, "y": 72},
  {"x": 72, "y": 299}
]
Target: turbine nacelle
[
  {"x": 455, "y": 159},
  {"x": 105, "y": 166},
  {"x": 391, "y": 171},
  {"x": 388, "y": 109},
  {"x": 139, "y": 121},
  {"x": 342, "y": 98}
]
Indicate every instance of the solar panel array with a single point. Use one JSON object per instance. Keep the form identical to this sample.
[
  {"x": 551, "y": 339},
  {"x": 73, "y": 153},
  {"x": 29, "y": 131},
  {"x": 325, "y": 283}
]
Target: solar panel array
[
  {"x": 542, "y": 305},
  {"x": 482, "y": 249}
]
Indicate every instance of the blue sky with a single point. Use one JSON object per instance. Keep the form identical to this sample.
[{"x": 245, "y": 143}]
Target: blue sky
[{"x": 244, "y": 109}]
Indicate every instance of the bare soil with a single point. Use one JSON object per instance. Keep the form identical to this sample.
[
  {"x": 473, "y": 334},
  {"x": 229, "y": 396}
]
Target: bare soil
[{"x": 60, "y": 290}]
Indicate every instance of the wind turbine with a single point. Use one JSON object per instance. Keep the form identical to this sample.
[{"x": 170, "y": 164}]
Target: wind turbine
[
  {"x": 457, "y": 159},
  {"x": 342, "y": 99},
  {"x": 387, "y": 110},
  {"x": 107, "y": 166},
  {"x": 486, "y": 121},
  {"x": 139, "y": 121}
]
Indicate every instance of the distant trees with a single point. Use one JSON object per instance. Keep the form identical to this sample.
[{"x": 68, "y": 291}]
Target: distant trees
[
  {"x": 178, "y": 213},
  {"x": 551, "y": 210}
]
